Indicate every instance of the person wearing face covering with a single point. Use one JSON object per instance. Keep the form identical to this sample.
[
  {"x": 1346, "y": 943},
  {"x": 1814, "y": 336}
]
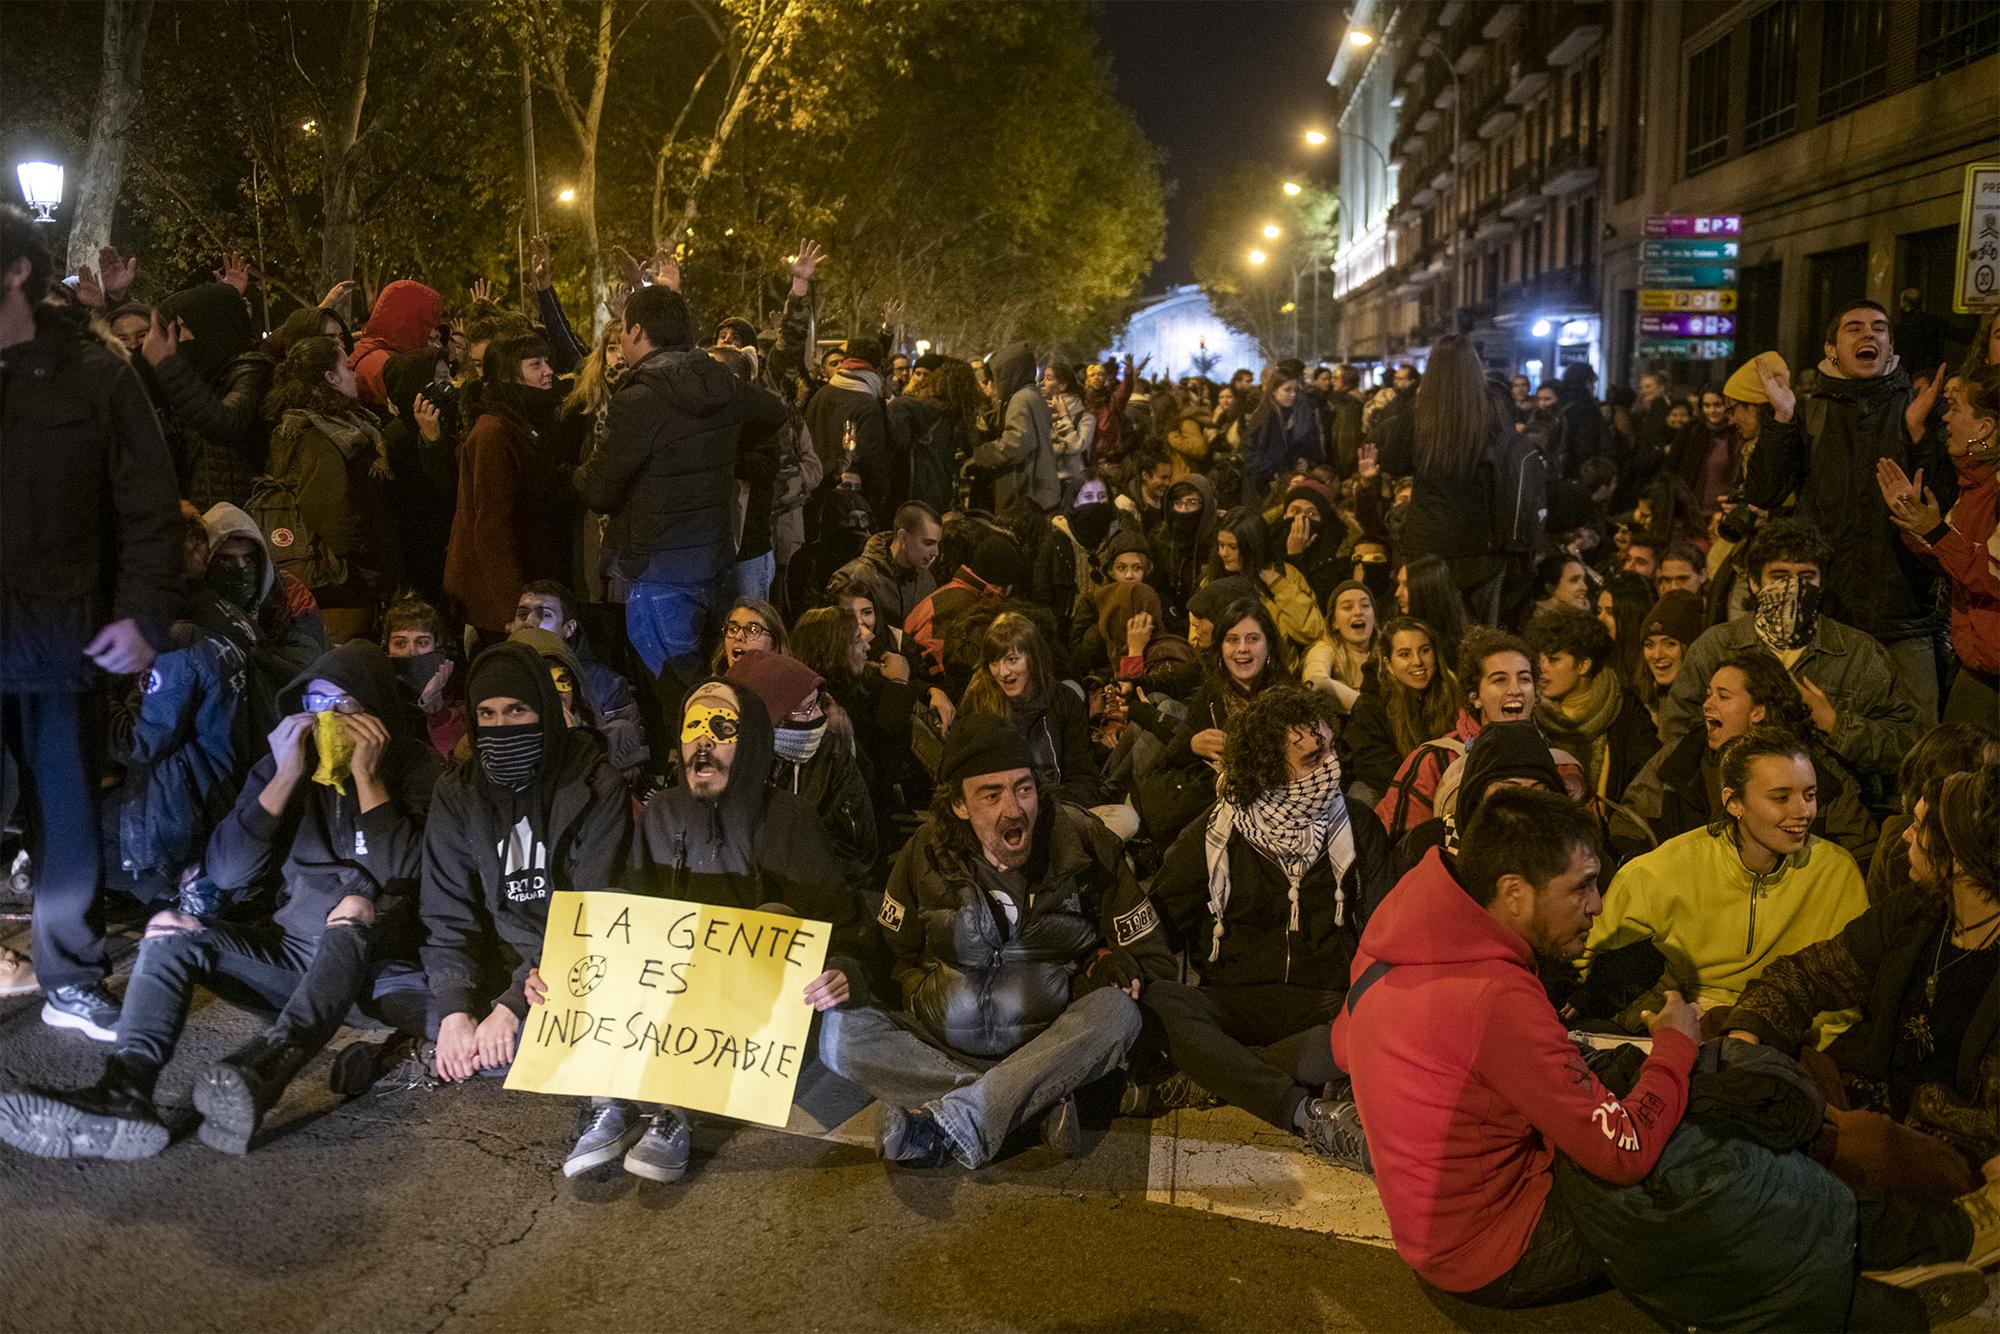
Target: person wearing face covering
[
  {"x": 1065, "y": 572},
  {"x": 422, "y": 490},
  {"x": 1860, "y": 709},
  {"x": 814, "y": 756},
  {"x": 1268, "y": 895},
  {"x": 1021, "y": 452},
  {"x": 209, "y": 381},
  {"x": 1183, "y": 538},
  {"x": 536, "y": 809},
  {"x": 332, "y": 817},
  {"x": 405, "y": 317},
  {"x": 1823, "y": 446}
]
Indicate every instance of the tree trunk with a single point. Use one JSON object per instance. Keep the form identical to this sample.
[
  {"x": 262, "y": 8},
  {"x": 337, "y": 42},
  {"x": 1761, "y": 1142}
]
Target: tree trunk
[
  {"x": 118, "y": 88},
  {"x": 780, "y": 33},
  {"x": 338, "y": 129}
]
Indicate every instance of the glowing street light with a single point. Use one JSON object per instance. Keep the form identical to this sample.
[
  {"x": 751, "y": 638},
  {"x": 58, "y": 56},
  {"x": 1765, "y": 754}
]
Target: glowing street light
[
  {"x": 1272, "y": 231},
  {"x": 1293, "y": 187},
  {"x": 566, "y": 195},
  {"x": 1288, "y": 307},
  {"x": 42, "y": 187},
  {"x": 1314, "y": 138},
  {"x": 1257, "y": 257},
  {"x": 1359, "y": 37}
]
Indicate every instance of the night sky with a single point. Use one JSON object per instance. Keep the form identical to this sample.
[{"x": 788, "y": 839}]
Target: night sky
[{"x": 1213, "y": 81}]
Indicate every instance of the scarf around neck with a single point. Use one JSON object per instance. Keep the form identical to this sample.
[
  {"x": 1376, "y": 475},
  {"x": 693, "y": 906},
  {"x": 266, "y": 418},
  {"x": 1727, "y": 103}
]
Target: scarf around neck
[
  {"x": 1293, "y": 825},
  {"x": 1581, "y": 719}
]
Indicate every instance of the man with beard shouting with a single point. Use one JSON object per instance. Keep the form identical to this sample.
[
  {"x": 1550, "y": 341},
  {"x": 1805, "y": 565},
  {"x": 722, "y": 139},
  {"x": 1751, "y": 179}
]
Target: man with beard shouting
[{"x": 1021, "y": 942}]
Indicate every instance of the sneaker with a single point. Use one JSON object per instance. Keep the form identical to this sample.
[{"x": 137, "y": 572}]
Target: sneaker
[
  {"x": 1333, "y": 1131},
  {"x": 358, "y": 1065},
  {"x": 17, "y": 974},
  {"x": 108, "y": 1120},
  {"x": 1947, "y": 1291},
  {"x": 1062, "y": 1129},
  {"x": 1982, "y": 1206},
  {"x": 88, "y": 1009},
  {"x": 911, "y": 1137},
  {"x": 612, "y": 1128},
  {"x": 662, "y": 1152},
  {"x": 1173, "y": 1093}
]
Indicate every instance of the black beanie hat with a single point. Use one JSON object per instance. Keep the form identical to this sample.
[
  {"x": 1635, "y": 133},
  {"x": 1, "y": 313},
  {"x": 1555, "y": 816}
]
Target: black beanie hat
[
  {"x": 997, "y": 561},
  {"x": 506, "y": 676},
  {"x": 982, "y": 743}
]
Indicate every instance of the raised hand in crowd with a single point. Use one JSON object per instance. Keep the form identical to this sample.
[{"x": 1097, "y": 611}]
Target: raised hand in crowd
[
  {"x": 1778, "y": 389},
  {"x": 1917, "y": 416},
  {"x": 803, "y": 265},
  {"x": 541, "y": 262},
  {"x": 163, "y": 340},
  {"x": 235, "y": 271},
  {"x": 88, "y": 290},
  {"x": 337, "y": 295},
  {"x": 116, "y": 274}
]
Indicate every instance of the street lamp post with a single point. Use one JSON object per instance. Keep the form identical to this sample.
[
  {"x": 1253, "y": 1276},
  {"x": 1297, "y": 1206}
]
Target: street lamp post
[{"x": 42, "y": 187}]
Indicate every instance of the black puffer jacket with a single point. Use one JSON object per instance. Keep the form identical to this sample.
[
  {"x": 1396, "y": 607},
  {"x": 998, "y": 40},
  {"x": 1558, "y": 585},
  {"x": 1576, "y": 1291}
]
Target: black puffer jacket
[
  {"x": 666, "y": 471},
  {"x": 323, "y": 847},
  {"x": 481, "y": 915},
  {"x": 1826, "y": 453},
  {"x": 92, "y": 533},
  {"x": 977, "y": 986}
]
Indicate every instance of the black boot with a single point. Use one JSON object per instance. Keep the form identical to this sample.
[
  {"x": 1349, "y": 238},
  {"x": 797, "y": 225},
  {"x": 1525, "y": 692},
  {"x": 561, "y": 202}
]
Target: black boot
[
  {"x": 113, "y": 1118},
  {"x": 234, "y": 1095}
]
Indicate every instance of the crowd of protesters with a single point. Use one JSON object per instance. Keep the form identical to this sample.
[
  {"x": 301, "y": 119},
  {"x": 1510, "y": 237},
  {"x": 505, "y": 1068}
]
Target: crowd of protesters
[{"x": 1518, "y": 795}]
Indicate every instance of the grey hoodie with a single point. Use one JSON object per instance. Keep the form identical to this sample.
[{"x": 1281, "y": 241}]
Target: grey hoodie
[{"x": 1023, "y": 450}]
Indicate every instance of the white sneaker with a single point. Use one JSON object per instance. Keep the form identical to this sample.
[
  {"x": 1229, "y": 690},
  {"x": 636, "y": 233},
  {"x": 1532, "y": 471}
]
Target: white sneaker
[{"x": 17, "y": 974}]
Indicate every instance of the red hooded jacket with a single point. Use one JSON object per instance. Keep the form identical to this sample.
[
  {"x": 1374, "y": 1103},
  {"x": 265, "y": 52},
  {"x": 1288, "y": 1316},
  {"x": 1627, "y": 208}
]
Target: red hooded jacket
[
  {"x": 1467, "y": 1084},
  {"x": 405, "y": 316}
]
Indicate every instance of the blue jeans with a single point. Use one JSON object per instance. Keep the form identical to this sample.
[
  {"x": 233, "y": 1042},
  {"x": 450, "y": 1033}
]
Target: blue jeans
[
  {"x": 667, "y": 623},
  {"x": 753, "y": 576},
  {"x": 977, "y": 1104}
]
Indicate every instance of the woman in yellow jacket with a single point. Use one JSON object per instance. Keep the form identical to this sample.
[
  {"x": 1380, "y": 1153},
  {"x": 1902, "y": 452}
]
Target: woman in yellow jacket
[
  {"x": 1242, "y": 547},
  {"x": 1722, "y": 901}
]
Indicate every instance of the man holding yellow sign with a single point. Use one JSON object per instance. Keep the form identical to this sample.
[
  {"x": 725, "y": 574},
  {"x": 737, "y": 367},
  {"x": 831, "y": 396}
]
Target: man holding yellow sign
[{"x": 705, "y": 996}]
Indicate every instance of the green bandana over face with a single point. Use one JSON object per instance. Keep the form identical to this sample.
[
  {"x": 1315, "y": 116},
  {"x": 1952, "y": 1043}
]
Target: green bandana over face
[{"x": 238, "y": 585}]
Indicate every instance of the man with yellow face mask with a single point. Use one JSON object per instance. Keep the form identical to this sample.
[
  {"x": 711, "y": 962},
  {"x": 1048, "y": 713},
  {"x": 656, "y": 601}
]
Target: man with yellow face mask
[{"x": 332, "y": 818}]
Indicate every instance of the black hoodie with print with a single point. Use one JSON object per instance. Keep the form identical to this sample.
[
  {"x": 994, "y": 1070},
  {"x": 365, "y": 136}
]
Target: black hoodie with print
[
  {"x": 492, "y": 857},
  {"x": 755, "y": 844},
  {"x": 323, "y": 847}
]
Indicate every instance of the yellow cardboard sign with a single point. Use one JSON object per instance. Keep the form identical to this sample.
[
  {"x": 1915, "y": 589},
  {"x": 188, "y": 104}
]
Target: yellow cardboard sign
[{"x": 658, "y": 1000}]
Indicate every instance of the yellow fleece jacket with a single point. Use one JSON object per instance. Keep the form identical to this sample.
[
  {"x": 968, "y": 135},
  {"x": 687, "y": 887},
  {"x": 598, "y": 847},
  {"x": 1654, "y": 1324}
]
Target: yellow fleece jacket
[{"x": 1717, "y": 924}]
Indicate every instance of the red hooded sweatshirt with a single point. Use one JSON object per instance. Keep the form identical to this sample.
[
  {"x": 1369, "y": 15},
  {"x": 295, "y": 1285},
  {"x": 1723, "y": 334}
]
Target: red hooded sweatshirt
[
  {"x": 1467, "y": 1084},
  {"x": 405, "y": 316}
]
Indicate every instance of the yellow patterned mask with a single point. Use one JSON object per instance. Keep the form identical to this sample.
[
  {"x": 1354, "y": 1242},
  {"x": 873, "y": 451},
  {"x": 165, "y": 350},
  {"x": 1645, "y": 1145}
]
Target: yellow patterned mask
[{"x": 335, "y": 748}]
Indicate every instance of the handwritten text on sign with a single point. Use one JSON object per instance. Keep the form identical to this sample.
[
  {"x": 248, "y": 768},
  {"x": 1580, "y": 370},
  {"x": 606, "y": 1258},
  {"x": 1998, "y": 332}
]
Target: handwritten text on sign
[{"x": 663, "y": 1001}]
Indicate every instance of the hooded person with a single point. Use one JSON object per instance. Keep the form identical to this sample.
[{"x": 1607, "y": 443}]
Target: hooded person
[
  {"x": 1111, "y": 641},
  {"x": 251, "y": 601},
  {"x": 814, "y": 755},
  {"x": 1022, "y": 453},
  {"x": 336, "y": 810},
  {"x": 1511, "y": 753},
  {"x": 209, "y": 381},
  {"x": 1317, "y": 536},
  {"x": 729, "y": 836},
  {"x": 537, "y": 809},
  {"x": 405, "y": 316},
  {"x": 422, "y": 491},
  {"x": 851, "y": 401},
  {"x": 1182, "y": 537},
  {"x": 1268, "y": 894},
  {"x": 566, "y": 670},
  {"x": 1066, "y": 571}
]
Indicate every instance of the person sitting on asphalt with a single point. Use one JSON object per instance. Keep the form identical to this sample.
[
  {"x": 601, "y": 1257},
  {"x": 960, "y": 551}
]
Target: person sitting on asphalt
[
  {"x": 1268, "y": 895},
  {"x": 727, "y": 836},
  {"x": 1679, "y": 789},
  {"x": 1724, "y": 899},
  {"x": 1497, "y": 673},
  {"x": 539, "y": 809},
  {"x": 413, "y": 632},
  {"x": 895, "y": 567},
  {"x": 814, "y": 755},
  {"x": 336, "y": 811},
  {"x": 1466, "y": 1074},
  {"x": 1021, "y": 941},
  {"x": 1847, "y": 680},
  {"x": 1505, "y": 754},
  {"x": 1586, "y": 708},
  {"x": 547, "y": 605}
]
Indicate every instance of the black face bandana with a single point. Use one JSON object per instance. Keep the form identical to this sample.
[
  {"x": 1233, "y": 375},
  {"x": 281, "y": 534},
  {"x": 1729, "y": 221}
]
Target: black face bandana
[
  {"x": 510, "y": 755},
  {"x": 416, "y": 672},
  {"x": 238, "y": 585},
  {"x": 1787, "y": 614}
]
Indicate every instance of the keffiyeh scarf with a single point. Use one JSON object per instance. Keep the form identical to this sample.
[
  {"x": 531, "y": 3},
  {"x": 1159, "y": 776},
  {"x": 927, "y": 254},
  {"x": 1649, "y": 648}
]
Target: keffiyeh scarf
[{"x": 1294, "y": 825}]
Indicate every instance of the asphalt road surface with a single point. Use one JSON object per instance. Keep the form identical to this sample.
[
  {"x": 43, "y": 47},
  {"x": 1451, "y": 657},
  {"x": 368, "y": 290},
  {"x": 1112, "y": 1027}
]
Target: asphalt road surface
[{"x": 446, "y": 1209}]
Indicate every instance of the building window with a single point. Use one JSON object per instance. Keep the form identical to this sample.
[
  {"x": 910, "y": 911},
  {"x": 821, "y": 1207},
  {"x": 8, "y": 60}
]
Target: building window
[
  {"x": 1853, "y": 55},
  {"x": 1708, "y": 106},
  {"x": 1774, "y": 74},
  {"x": 1955, "y": 32}
]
